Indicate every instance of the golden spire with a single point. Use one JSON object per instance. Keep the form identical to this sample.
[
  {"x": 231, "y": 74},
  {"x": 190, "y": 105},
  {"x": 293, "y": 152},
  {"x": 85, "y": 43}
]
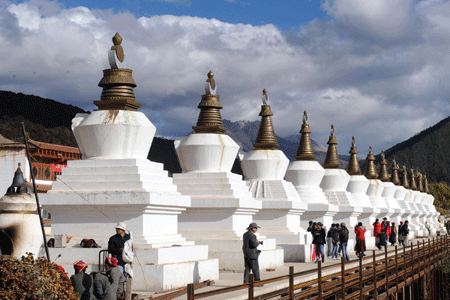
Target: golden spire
[
  {"x": 425, "y": 184},
  {"x": 420, "y": 187},
  {"x": 266, "y": 139},
  {"x": 332, "y": 158},
  {"x": 305, "y": 150},
  {"x": 353, "y": 164},
  {"x": 384, "y": 176},
  {"x": 405, "y": 182},
  {"x": 371, "y": 172},
  {"x": 209, "y": 119},
  {"x": 412, "y": 181},
  {"x": 394, "y": 173},
  {"x": 117, "y": 82}
]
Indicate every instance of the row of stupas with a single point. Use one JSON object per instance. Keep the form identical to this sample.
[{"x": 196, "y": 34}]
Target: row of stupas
[{"x": 188, "y": 227}]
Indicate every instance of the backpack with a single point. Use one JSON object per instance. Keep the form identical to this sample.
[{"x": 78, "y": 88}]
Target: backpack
[{"x": 89, "y": 243}]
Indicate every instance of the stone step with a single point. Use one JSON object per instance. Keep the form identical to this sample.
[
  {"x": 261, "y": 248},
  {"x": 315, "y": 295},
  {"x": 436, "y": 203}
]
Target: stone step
[
  {"x": 114, "y": 186},
  {"x": 119, "y": 170},
  {"x": 116, "y": 178}
]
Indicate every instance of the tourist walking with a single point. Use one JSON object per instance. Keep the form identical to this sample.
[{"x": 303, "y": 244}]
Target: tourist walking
[
  {"x": 376, "y": 231},
  {"x": 118, "y": 279},
  {"x": 393, "y": 234},
  {"x": 330, "y": 241},
  {"x": 83, "y": 283},
  {"x": 251, "y": 253},
  {"x": 335, "y": 241},
  {"x": 427, "y": 226},
  {"x": 319, "y": 241},
  {"x": 116, "y": 245},
  {"x": 400, "y": 234},
  {"x": 360, "y": 232},
  {"x": 343, "y": 238}
]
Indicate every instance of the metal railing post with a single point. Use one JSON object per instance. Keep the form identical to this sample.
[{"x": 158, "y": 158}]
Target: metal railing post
[
  {"x": 386, "y": 271},
  {"x": 291, "y": 282},
  {"x": 374, "y": 263},
  {"x": 360, "y": 277},
  {"x": 396, "y": 269},
  {"x": 251, "y": 286},
  {"x": 319, "y": 279},
  {"x": 343, "y": 277},
  {"x": 190, "y": 291}
]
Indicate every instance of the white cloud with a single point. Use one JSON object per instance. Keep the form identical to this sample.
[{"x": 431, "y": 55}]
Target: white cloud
[{"x": 378, "y": 70}]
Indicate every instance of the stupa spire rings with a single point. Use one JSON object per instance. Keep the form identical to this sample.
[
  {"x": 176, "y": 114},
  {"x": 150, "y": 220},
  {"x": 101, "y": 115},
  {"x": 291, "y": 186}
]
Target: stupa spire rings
[
  {"x": 384, "y": 176},
  {"x": 371, "y": 172},
  {"x": 117, "y": 82},
  {"x": 394, "y": 173},
  {"x": 332, "y": 157},
  {"x": 209, "y": 119},
  {"x": 266, "y": 138},
  {"x": 210, "y": 86},
  {"x": 425, "y": 184},
  {"x": 412, "y": 180},
  {"x": 305, "y": 150},
  {"x": 420, "y": 186},
  {"x": 353, "y": 164},
  {"x": 405, "y": 181}
]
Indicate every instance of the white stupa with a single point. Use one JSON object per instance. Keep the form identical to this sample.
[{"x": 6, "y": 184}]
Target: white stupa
[
  {"x": 20, "y": 227},
  {"x": 400, "y": 194},
  {"x": 264, "y": 169},
  {"x": 390, "y": 187},
  {"x": 306, "y": 174},
  {"x": 358, "y": 186},
  {"x": 222, "y": 206},
  {"x": 427, "y": 201},
  {"x": 411, "y": 197},
  {"x": 334, "y": 185},
  {"x": 115, "y": 182}
]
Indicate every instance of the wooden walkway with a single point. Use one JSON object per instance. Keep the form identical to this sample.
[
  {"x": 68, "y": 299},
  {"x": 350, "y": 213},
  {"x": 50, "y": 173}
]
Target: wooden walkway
[{"x": 403, "y": 273}]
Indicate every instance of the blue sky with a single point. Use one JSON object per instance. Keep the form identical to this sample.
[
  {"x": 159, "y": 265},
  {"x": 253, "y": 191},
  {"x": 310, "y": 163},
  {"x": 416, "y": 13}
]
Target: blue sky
[
  {"x": 375, "y": 69},
  {"x": 285, "y": 14}
]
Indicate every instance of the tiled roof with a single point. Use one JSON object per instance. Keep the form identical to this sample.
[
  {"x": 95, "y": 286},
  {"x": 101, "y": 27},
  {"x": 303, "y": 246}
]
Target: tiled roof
[
  {"x": 55, "y": 147},
  {"x": 7, "y": 143}
]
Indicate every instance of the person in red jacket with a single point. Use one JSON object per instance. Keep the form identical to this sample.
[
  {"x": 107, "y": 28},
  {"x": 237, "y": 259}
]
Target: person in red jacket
[
  {"x": 376, "y": 231},
  {"x": 360, "y": 246}
]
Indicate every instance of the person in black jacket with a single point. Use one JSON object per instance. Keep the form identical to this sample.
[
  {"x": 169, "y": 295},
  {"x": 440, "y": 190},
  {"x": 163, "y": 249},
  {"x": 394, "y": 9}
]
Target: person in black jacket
[
  {"x": 335, "y": 240},
  {"x": 251, "y": 253},
  {"x": 319, "y": 240},
  {"x": 310, "y": 227},
  {"x": 343, "y": 238},
  {"x": 116, "y": 244}
]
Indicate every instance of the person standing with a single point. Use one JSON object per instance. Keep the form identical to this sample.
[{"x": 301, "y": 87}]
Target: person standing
[
  {"x": 393, "y": 235},
  {"x": 360, "y": 232},
  {"x": 118, "y": 279},
  {"x": 427, "y": 226},
  {"x": 376, "y": 231},
  {"x": 406, "y": 233},
  {"x": 251, "y": 253},
  {"x": 310, "y": 227},
  {"x": 329, "y": 241},
  {"x": 400, "y": 234},
  {"x": 343, "y": 238},
  {"x": 116, "y": 244},
  {"x": 83, "y": 283},
  {"x": 335, "y": 241},
  {"x": 319, "y": 241}
]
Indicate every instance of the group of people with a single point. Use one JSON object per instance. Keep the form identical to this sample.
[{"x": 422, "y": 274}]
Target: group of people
[
  {"x": 110, "y": 284},
  {"x": 386, "y": 232}
]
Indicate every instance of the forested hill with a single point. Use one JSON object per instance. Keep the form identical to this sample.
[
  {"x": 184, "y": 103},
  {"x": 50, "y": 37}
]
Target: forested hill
[{"x": 427, "y": 152}]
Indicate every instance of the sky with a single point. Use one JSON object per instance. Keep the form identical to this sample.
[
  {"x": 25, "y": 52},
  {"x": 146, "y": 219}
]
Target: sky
[{"x": 376, "y": 69}]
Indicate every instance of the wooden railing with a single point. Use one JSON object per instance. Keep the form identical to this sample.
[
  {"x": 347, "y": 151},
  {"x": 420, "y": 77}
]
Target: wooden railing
[{"x": 378, "y": 276}]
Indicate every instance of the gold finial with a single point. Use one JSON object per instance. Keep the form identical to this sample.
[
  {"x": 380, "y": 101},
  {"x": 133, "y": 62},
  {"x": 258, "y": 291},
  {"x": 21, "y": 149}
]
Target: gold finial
[
  {"x": 384, "y": 176},
  {"x": 332, "y": 157},
  {"x": 353, "y": 164},
  {"x": 211, "y": 80},
  {"x": 371, "y": 172},
  {"x": 420, "y": 187},
  {"x": 425, "y": 184},
  {"x": 117, "y": 40},
  {"x": 117, "y": 82},
  {"x": 305, "y": 150},
  {"x": 266, "y": 138},
  {"x": 405, "y": 181},
  {"x": 209, "y": 119},
  {"x": 412, "y": 180},
  {"x": 265, "y": 98},
  {"x": 394, "y": 173}
]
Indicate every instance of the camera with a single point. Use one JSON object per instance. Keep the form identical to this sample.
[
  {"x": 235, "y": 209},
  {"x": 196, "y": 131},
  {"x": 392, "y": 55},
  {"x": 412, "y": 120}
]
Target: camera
[{"x": 261, "y": 242}]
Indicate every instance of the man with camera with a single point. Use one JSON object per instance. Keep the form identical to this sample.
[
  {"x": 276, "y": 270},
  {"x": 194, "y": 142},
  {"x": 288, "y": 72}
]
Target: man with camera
[{"x": 251, "y": 253}]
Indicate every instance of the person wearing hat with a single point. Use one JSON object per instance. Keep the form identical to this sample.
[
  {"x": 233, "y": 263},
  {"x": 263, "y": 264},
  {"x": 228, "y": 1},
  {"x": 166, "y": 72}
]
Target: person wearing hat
[
  {"x": 251, "y": 253},
  {"x": 116, "y": 244},
  {"x": 83, "y": 284}
]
